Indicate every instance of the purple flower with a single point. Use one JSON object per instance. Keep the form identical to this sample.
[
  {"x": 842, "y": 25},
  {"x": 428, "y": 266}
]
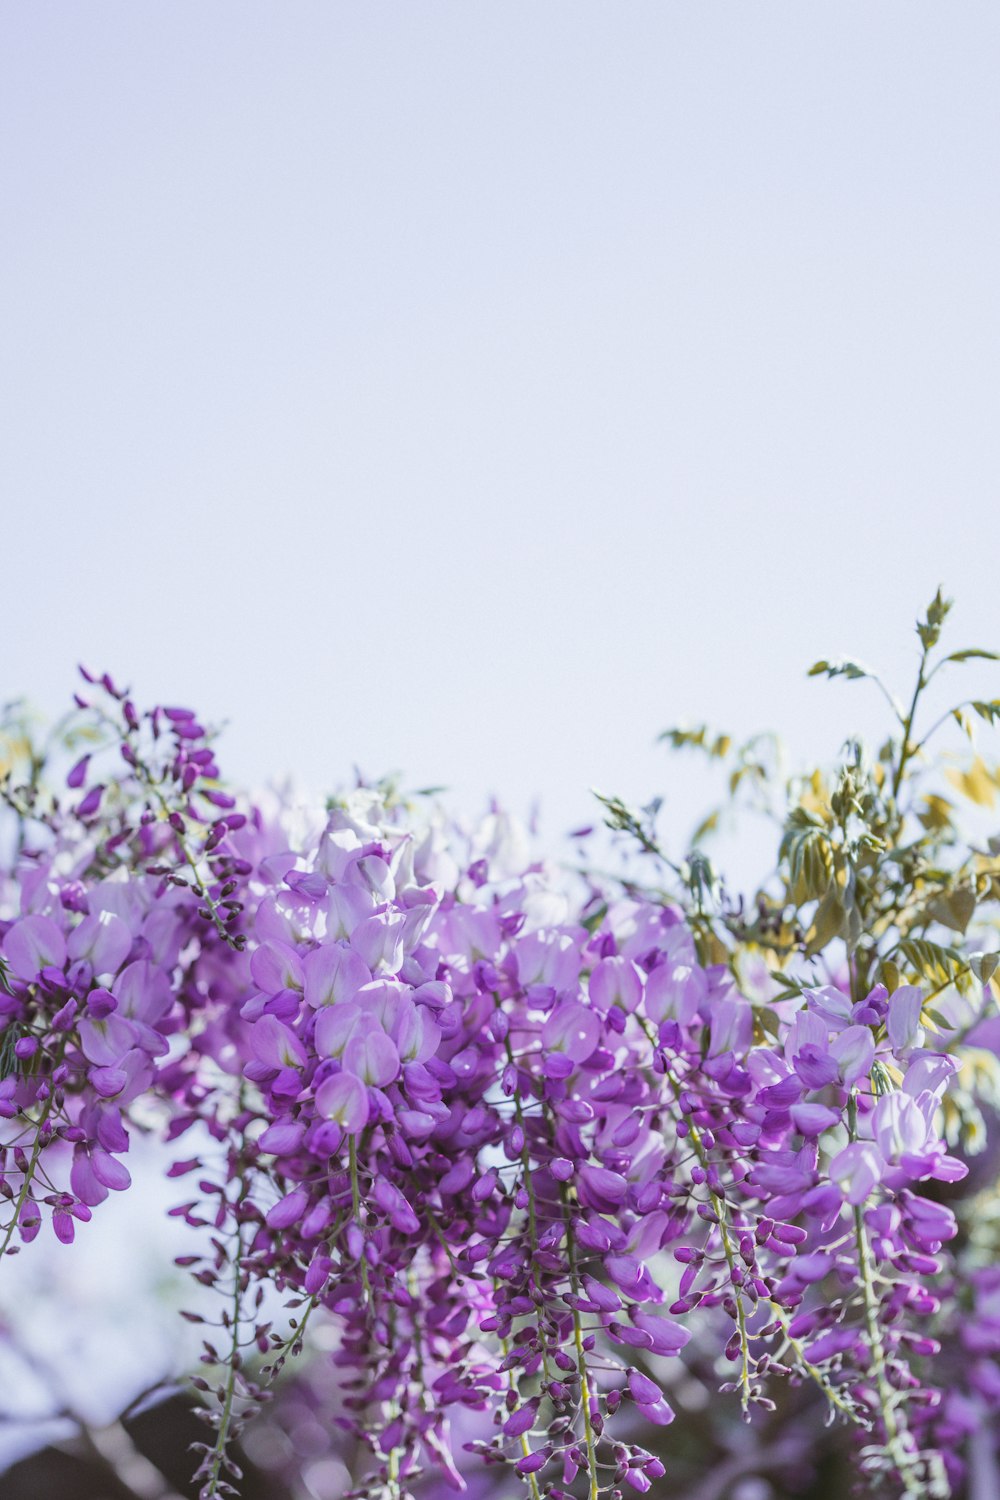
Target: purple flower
[
  {"x": 649, "y": 1399},
  {"x": 107, "y": 1041},
  {"x": 573, "y": 1030},
  {"x": 510, "y": 1141},
  {"x": 601, "y": 1188},
  {"x": 335, "y": 1026},
  {"x": 615, "y": 982},
  {"x": 276, "y": 966},
  {"x": 857, "y": 1170},
  {"x": 813, "y": 1119},
  {"x": 831, "y": 1005},
  {"x": 78, "y": 775},
  {"x": 275, "y": 1044},
  {"x": 853, "y": 1050},
  {"x": 668, "y": 1337},
  {"x": 900, "y": 1126},
  {"x": 291, "y": 1208},
  {"x": 674, "y": 991},
  {"x": 282, "y": 1138},
  {"x": 33, "y": 944},
  {"x": 903, "y": 1020},
  {"x": 372, "y": 1057},
  {"x": 333, "y": 974},
  {"x": 829, "y": 1345},
  {"x": 343, "y": 1098},
  {"x": 103, "y": 940}
]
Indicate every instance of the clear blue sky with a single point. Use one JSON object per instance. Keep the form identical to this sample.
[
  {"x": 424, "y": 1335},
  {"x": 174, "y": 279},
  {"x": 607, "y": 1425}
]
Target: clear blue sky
[{"x": 475, "y": 389}]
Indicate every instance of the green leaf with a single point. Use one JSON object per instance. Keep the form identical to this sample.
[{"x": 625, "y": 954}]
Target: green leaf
[
  {"x": 976, "y": 783},
  {"x": 936, "y": 814},
  {"x": 938, "y": 608},
  {"x": 8, "y": 1057},
  {"x": 621, "y": 819},
  {"x": 806, "y": 846},
  {"x": 707, "y": 825},
  {"x": 841, "y": 666},
  {"x": 766, "y": 1020},
  {"x": 596, "y": 917},
  {"x": 700, "y": 876},
  {"x": 827, "y": 924},
  {"x": 973, "y": 653},
  {"x": 790, "y": 986},
  {"x": 988, "y": 709},
  {"x": 933, "y": 963},
  {"x": 888, "y": 973},
  {"x": 786, "y": 995},
  {"x": 753, "y": 772},
  {"x": 954, "y": 908},
  {"x": 699, "y": 737},
  {"x": 929, "y": 629},
  {"x": 983, "y": 965}
]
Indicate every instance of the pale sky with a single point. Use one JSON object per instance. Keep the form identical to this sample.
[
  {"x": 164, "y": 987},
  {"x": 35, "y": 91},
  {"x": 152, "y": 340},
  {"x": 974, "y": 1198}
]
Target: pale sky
[{"x": 475, "y": 389}]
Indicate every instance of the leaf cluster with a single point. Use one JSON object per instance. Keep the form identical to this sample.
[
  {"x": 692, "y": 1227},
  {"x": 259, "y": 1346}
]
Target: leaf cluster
[{"x": 876, "y": 871}]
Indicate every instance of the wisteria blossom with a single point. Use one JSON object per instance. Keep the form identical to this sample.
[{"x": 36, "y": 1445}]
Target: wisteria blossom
[{"x": 526, "y": 1140}]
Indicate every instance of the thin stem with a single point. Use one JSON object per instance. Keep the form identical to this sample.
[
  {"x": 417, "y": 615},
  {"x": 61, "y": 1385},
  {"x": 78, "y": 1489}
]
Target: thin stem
[
  {"x": 226, "y": 1418},
  {"x": 296, "y": 1336},
  {"x": 901, "y": 1457},
  {"x": 29, "y": 1171},
  {"x": 942, "y": 720},
  {"x": 813, "y": 1371},
  {"x": 439, "y": 1236},
  {"x": 395, "y": 1411},
  {"x": 529, "y": 1190},
  {"x": 199, "y": 885},
  {"x": 906, "y": 749},
  {"x": 581, "y": 1365},
  {"x": 525, "y": 1445},
  {"x": 356, "y": 1209},
  {"x": 719, "y": 1207}
]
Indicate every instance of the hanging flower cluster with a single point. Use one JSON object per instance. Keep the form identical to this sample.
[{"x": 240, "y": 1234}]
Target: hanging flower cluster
[
  {"x": 519, "y": 1155},
  {"x": 518, "y": 1138},
  {"x": 111, "y": 914}
]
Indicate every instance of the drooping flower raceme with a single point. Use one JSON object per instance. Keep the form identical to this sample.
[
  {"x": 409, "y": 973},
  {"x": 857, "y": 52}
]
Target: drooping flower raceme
[
  {"x": 518, "y": 1143},
  {"x": 100, "y": 955}
]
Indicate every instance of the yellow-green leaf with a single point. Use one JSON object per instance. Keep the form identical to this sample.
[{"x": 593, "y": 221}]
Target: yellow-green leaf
[
  {"x": 827, "y": 923},
  {"x": 955, "y": 908},
  {"x": 969, "y": 655},
  {"x": 936, "y": 814},
  {"x": 976, "y": 783},
  {"x": 983, "y": 965},
  {"x": 932, "y": 963},
  {"x": 889, "y": 975}
]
